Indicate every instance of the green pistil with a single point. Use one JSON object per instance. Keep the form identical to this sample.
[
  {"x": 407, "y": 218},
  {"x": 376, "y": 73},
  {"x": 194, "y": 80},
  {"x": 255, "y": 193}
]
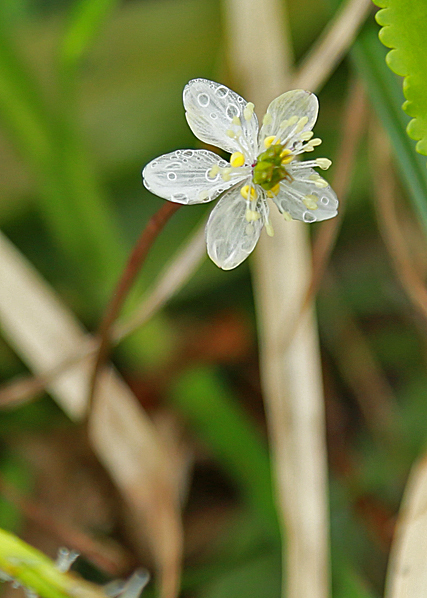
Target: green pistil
[{"x": 269, "y": 170}]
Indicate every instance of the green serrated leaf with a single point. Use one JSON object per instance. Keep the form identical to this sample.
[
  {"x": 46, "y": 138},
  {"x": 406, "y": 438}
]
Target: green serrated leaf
[{"x": 404, "y": 25}]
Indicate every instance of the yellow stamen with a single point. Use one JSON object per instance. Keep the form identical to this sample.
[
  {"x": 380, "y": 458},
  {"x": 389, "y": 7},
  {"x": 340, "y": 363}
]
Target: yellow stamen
[
  {"x": 269, "y": 140},
  {"x": 269, "y": 229},
  {"x": 286, "y": 156},
  {"x": 236, "y": 121},
  {"x": 310, "y": 201},
  {"x": 252, "y": 216},
  {"x": 274, "y": 190},
  {"x": 203, "y": 195},
  {"x": 248, "y": 111},
  {"x": 315, "y": 141},
  {"x": 287, "y": 216},
  {"x": 230, "y": 133},
  {"x": 323, "y": 163},
  {"x": 293, "y": 120},
  {"x": 225, "y": 174},
  {"x": 237, "y": 159},
  {"x": 301, "y": 123},
  {"x": 213, "y": 171},
  {"x": 268, "y": 119},
  {"x": 306, "y": 136},
  {"x": 244, "y": 191}
]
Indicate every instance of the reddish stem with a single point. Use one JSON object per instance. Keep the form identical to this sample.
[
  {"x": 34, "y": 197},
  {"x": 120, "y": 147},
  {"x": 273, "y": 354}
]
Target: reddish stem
[{"x": 136, "y": 259}]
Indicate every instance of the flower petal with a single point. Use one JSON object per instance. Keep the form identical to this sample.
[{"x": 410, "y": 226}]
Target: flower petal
[
  {"x": 184, "y": 176},
  {"x": 229, "y": 237},
  {"x": 210, "y": 109},
  {"x": 296, "y": 103},
  {"x": 304, "y": 201}
]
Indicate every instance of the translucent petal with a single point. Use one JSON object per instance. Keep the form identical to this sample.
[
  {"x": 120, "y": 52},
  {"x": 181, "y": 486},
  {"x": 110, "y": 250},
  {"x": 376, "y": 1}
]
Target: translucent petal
[
  {"x": 229, "y": 237},
  {"x": 296, "y": 103},
  {"x": 210, "y": 109},
  {"x": 184, "y": 176},
  {"x": 291, "y": 200}
]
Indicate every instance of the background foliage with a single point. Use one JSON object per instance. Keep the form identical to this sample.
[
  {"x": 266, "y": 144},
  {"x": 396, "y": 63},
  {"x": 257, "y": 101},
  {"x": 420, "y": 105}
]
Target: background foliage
[{"x": 90, "y": 91}]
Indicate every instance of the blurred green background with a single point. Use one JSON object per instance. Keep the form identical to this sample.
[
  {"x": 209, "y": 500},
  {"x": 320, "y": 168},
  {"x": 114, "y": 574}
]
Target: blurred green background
[{"x": 89, "y": 92}]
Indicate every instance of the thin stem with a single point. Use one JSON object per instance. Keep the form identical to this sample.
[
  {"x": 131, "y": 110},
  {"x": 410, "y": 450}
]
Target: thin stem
[{"x": 136, "y": 259}]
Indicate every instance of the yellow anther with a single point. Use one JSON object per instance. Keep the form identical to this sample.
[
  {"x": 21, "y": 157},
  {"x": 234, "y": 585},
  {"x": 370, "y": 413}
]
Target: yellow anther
[
  {"x": 274, "y": 190},
  {"x": 248, "y": 111},
  {"x": 323, "y": 163},
  {"x": 230, "y": 133},
  {"x": 269, "y": 140},
  {"x": 252, "y": 216},
  {"x": 268, "y": 119},
  {"x": 287, "y": 216},
  {"x": 287, "y": 156},
  {"x": 237, "y": 159},
  {"x": 213, "y": 171},
  {"x": 236, "y": 121},
  {"x": 301, "y": 123},
  {"x": 203, "y": 195},
  {"x": 306, "y": 136},
  {"x": 249, "y": 229},
  {"x": 225, "y": 174},
  {"x": 244, "y": 191},
  {"x": 269, "y": 229},
  {"x": 315, "y": 141},
  {"x": 318, "y": 181},
  {"x": 308, "y": 148},
  {"x": 310, "y": 201},
  {"x": 293, "y": 120},
  {"x": 284, "y": 124}
]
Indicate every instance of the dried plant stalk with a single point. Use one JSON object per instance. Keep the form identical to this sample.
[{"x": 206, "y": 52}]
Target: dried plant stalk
[
  {"x": 407, "y": 570},
  {"x": 291, "y": 378},
  {"x": 44, "y": 333}
]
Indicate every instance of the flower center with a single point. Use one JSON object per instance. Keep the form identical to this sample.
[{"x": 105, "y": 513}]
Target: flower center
[{"x": 270, "y": 168}]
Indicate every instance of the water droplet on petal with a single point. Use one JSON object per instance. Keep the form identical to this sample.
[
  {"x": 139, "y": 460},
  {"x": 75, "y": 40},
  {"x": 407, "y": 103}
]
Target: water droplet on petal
[
  {"x": 308, "y": 217},
  {"x": 171, "y": 176},
  {"x": 203, "y": 99},
  {"x": 221, "y": 92}
]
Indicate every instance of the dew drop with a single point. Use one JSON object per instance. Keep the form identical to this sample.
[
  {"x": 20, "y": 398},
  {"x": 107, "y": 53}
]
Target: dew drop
[
  {"x": 232, "y": 111},
  {"x": 171, "y": 176},
  {"x": 188, "y": 153},
  {"x": 324, "y": 201},
  {"x": 308, "y": 217},
  {"x": 179, "y": 197},
  {"x": 173, "y": 166},
  {"x": 203, "y": 99},
  {"x": 213, "y": 115},
  {"x": 221, "y": 91}
]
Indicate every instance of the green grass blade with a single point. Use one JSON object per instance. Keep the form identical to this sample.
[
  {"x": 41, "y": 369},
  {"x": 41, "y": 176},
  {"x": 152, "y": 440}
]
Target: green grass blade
[
  {"x": 86, "y": 19},
  {"x": 225, "y": 426},
  {"x": 386, "y": 97}
]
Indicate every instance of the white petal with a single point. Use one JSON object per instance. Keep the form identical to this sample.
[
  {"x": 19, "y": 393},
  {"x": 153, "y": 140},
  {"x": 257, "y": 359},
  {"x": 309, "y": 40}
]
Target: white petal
[
  {"x": 210, "y": 108},
  {"x": 290, "y": 199},
  {"x": 296, "y": 103},
  {"x": 229, "y": 237},
  {"x": 184, "y": 177}
]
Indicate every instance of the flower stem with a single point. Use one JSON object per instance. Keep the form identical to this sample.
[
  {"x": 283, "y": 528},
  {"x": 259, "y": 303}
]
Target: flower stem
[{"x": 134, "y": 264}]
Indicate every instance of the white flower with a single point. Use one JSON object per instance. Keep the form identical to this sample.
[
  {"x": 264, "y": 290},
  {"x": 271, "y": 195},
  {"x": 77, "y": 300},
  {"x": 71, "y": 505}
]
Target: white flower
[{"x": 263, "y": 167}]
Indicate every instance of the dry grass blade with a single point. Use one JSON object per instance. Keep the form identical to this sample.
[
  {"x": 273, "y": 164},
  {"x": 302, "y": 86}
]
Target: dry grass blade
[
  {"x": 331, "y": 46},
  {"x": 291, "y": 379},
  {"x": 407, "y": 569},
  {"x": 391, "y": 229},
  {"x": 44, "y": 333},
  {"x": 176, "y": 273}
]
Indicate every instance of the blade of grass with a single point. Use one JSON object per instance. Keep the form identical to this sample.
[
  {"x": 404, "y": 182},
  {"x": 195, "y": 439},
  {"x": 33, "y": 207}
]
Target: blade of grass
[
  {"x": 386, "y": 96},
  {"x": 291, "y": 379},
  {"x": 85, "y": 21},
  {"x": 44, "y": 333},
  {"x": 331, "y": 45},
  {"x": 217, "y": 417}
]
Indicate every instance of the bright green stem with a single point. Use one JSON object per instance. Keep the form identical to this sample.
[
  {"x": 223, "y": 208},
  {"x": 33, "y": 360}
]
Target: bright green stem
[{"x": 33, "y": 570}]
